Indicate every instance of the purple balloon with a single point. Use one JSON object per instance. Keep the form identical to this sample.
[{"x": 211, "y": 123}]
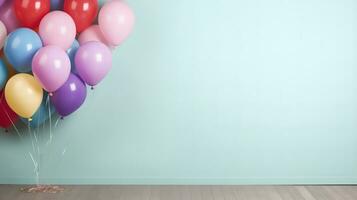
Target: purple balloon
[
  {"x": 93, "y": 61},
  {"x": 7, "y": 16},
  {"x": 2, "y": 2},
  {"x": 70, "y": 96}
]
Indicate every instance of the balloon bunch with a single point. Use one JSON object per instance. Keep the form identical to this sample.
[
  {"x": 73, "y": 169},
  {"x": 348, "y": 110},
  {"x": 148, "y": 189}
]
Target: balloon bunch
[{"x": 52, "y": 49}]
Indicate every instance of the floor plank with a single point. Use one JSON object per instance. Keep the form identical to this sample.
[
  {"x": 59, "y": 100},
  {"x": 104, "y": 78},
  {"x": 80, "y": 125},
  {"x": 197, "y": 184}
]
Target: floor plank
[{"x": 187, "y": 193}]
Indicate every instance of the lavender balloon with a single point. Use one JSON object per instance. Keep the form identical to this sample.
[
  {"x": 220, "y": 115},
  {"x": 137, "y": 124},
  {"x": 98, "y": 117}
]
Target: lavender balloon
[
  {"x": 51, "y": 67},
  {"x": 93, "y": 61},
  {"x": 7, "y": 16},
  {"x": 70, "y": 96}
]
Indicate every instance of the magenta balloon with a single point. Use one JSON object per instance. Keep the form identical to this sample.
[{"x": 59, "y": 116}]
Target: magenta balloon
[
  {"x": 93, "y": 61},
  {"x": 51, "y": 66},
  {"x": 7, "y": 16},
  {"x": 70, "y": 96}
]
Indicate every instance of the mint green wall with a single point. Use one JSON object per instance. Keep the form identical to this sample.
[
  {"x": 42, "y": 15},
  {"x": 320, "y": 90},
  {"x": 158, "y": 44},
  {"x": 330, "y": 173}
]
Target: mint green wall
[{"x": 214, "y": 92}]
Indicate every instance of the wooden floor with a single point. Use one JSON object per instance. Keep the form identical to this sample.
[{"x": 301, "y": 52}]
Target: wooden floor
[{"x": 12, "y": 192}]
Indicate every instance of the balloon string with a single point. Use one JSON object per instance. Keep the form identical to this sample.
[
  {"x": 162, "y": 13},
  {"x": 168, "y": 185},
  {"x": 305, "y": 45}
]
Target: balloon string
[
  {"x": 36, "y": 151},
  {"x": 50, "y": 119},
  {"x": 32, "y": 140},
  {"x": 37, "y": 143},
  {"x": 8, "y": 116},
  {"x": 44, "y": 124},
  {"x": 57, "y": 121},
  {"x": 36, "y": 167},
  {"x": 40, "y": 139},
  {"x": 33, "y": 160},
  {"x": 13, "y": 124},
  {"x": 35, "y": 163}
]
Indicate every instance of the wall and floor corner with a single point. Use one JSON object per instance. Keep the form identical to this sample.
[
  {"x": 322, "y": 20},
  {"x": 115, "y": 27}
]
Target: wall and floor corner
[{"x": 215, "y": 92}]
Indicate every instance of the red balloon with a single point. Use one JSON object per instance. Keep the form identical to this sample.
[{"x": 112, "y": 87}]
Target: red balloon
[
  {"x": 83, "y": 12},
  {"x": 30, "y": 12},
  {"x": 7, "y": 116}
]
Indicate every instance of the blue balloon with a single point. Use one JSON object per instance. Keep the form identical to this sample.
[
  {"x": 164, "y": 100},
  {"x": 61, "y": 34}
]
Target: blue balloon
[
  {"x": 57, "y": 4},
  {"x": 20, "y": 47},
  {"x": 44, "y": 112},
  {"x": 71, "y": 52},
  {"x": 4, "y": 73}
]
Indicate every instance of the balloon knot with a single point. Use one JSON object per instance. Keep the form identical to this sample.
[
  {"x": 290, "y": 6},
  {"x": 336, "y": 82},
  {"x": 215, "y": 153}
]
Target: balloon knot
[
  {"x": 30, "y": 119},
  {"x": 51, "y": 94},
  {"x": 92, "y": 88},
  {"x": 6, "y": 131},
  {"x": 62, "y": 118}
]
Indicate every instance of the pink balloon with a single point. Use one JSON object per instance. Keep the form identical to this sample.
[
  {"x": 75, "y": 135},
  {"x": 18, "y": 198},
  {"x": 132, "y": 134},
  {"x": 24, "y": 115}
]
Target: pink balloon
[
  {"x": 57, "y": 28},
  {"x": 51, "y": 66},
  {"x": 116, "y": 20},
  {"x": 93, "y": 34},
  {"x": 7, "y": 16},
  {"x": 3, "y": 34},
  {"x": 93, "y": 62}
]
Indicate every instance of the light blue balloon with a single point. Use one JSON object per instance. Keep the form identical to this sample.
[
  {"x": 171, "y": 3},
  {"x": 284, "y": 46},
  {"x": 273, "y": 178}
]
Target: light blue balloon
[
  {"x": 71, "y": 52},
  {"x": 20, "y": 47},
  {"x": 43, "y": 113},
  {"x": 4, "y": 73},
  {"x": 57, "y": 4}
]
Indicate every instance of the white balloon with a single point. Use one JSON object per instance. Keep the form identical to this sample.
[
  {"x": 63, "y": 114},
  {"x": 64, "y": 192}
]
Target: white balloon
[{"x": 3, "y": 34}]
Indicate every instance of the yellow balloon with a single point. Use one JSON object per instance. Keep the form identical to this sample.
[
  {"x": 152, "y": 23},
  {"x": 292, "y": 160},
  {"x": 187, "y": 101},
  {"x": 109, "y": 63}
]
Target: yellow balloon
[{"x": 23, "y": 94}]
